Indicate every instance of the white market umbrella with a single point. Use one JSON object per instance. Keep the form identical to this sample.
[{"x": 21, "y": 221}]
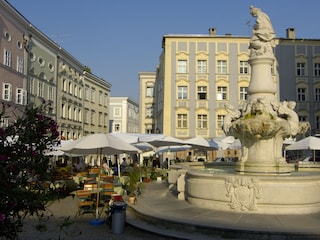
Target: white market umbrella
[
  {"x": 200, "y": 142},
  {"x": 166, "y": 141},
  {"x": 308, "y": 143},
  {"x": 173, "y": 148},
  {"x": 127, "y": 137},
  {"x": 150, "y": 137},
  {"x": 227, "y": 142},
  {"x": 236, "y": 144},
  {"x": 56, "y": 150},
  {"x": 100, "y": 143}
]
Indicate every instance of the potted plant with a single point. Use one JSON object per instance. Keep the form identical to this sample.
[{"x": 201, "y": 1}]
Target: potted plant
[{"x": 133, "y": 183}]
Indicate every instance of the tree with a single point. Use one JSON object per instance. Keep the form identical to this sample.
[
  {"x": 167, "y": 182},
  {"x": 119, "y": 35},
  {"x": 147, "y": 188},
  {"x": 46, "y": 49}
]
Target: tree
[{"x": 24, "y": 167}]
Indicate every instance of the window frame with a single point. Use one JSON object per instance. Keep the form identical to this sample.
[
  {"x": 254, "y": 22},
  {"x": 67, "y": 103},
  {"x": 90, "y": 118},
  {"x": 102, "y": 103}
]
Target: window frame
[
  {"x": 7, "y": 91},
  {"x": 202, "y": 66},
  {"x": 244, "y": 67},
  {"x": 202, "y": 92},
  {"x": 20, "y": 96},
  {"x": 301, "y": 94},
  {"x": 182, "y": 66},
  {"x": 221, "y": 67},
  {"x": 182, "y": 120},
  {"x": 182, "y": 92},
  {"x": 202, "y": 121},
  {"x": 243, "y": 93},
  {"x": 7, "y": 61},
  {"x": 316, "y": 69},
  {"x": 300, "y": 68},
  {"x": 222, "y": 92},
  {"x": 149, "y": 91},
  {"x": 220, "y": 119}
]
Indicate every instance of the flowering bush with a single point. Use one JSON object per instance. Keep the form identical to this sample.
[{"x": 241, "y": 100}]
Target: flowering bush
[{"x": 24, "y": 167}]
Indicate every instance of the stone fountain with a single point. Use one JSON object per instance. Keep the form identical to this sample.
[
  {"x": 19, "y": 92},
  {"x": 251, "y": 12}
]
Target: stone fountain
[{"x": 262, "y": 182}]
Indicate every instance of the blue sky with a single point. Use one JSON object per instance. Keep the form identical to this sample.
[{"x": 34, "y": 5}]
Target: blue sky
[{"x": 118, "y": 39}]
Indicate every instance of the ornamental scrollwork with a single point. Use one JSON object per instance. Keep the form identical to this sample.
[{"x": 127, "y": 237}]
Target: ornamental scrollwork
[{"x": 243, "y": 193}]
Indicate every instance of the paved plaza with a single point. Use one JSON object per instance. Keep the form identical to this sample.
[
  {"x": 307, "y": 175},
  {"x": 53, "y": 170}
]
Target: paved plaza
[{"x": 162, "y": 216}]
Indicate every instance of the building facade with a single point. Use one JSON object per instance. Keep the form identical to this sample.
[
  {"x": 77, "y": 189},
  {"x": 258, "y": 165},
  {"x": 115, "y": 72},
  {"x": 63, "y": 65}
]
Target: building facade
[
  {"x": 199, "y": 74},
  {"x": 123, "y": 115},
  {"x": 13, "y": 82},
  {"x": 299, "y": 73},
  {"x": 146, "y": 101},
  {"x": 35, "y": 69},
  {"x": 96, "y": 104}
]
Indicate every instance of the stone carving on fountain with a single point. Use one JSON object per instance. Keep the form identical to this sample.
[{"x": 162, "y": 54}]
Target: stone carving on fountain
[
  {"x": 243, "y": 193},
  {"x": 262, "y": 122}
]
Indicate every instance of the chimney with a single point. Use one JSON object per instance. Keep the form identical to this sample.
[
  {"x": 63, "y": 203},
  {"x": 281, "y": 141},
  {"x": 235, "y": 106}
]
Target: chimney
[
  {"x": 291, "y": 33},
  {"x": 212, "y": 31}
]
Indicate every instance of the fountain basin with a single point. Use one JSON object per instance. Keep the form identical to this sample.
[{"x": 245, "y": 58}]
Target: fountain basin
[{"x": 293, "y": 193}]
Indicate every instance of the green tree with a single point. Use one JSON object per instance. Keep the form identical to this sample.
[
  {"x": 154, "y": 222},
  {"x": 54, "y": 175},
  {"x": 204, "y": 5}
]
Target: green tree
[{"x": 22, "y": 156}]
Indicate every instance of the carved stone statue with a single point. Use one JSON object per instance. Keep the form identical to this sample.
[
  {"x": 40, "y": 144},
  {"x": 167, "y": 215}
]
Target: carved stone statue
[
  {"x": 262, "y": 34},
  {"x": 262, "y": 122}
]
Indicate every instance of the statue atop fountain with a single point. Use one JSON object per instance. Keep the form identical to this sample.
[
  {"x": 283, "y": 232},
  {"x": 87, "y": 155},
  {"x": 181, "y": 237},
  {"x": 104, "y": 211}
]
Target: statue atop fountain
[{"x": 262, "y": 122}]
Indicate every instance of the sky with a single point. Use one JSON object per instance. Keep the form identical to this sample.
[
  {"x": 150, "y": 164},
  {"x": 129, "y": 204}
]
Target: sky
[{"x": 118, "y": 39}]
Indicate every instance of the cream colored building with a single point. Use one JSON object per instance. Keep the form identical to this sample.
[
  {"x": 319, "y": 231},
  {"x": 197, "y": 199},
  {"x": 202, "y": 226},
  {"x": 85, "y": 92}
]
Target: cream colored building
[
  {"x": 199, "y": 74},
  {"x": 123, "y": 115},
  {"x": 146, "y": 101},
  {"x": 96, "y": 104}
]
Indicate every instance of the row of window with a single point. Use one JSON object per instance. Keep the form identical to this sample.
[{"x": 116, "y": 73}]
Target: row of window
[
  {"x": 7, "y": 61},
  {"x": 70, "y": 135},
  {"x": 20, "y": 96},
  {"x": 75, "y": 114},
  {"x": 41, "y": 89},
  {"x": 301, "y": 69},
  {"x": 182, "y": 67},
  {"x": 89, "y": 93},
  {"x": 202, "y": 93},
  {"x": 222, "y": 94},
  {"x": 202, "y": 121}
]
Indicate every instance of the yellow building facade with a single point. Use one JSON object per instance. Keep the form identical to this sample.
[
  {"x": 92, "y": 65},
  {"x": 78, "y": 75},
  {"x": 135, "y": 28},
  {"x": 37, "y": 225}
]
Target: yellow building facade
[{"x": 198, "y": 75}]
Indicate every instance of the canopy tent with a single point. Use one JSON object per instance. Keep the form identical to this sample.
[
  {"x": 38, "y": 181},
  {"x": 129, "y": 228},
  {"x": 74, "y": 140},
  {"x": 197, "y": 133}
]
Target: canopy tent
[
  {"x": 227, "y": 142},
  {"x": 127, "y": 137},
  {"x": 308, "y": 143},
  {"x": 173, "y": 148},
  {"x": 201, "y": 143},
  {"x": 311, "y": 143},
  {"x": 100, "y": 143},
  {"x": 165, "y": 141}
]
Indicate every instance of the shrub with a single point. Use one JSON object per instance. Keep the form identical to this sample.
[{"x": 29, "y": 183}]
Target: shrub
[{"x": 22, "y": 157}]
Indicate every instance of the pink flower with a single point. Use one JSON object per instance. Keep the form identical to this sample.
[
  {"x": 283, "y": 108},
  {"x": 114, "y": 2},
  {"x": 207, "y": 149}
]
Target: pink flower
[
  {"x": 3, "y": 157},
  {"x": 2, "y": 217}
]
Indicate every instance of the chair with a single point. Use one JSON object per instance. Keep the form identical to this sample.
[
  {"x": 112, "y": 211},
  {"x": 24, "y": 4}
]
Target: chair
[
  {"x": 90, "y": 186},
  {"x": 94, "y": 171},
  {"x": 85, "y": 204},
  {"x": 107, "y": 191}
]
